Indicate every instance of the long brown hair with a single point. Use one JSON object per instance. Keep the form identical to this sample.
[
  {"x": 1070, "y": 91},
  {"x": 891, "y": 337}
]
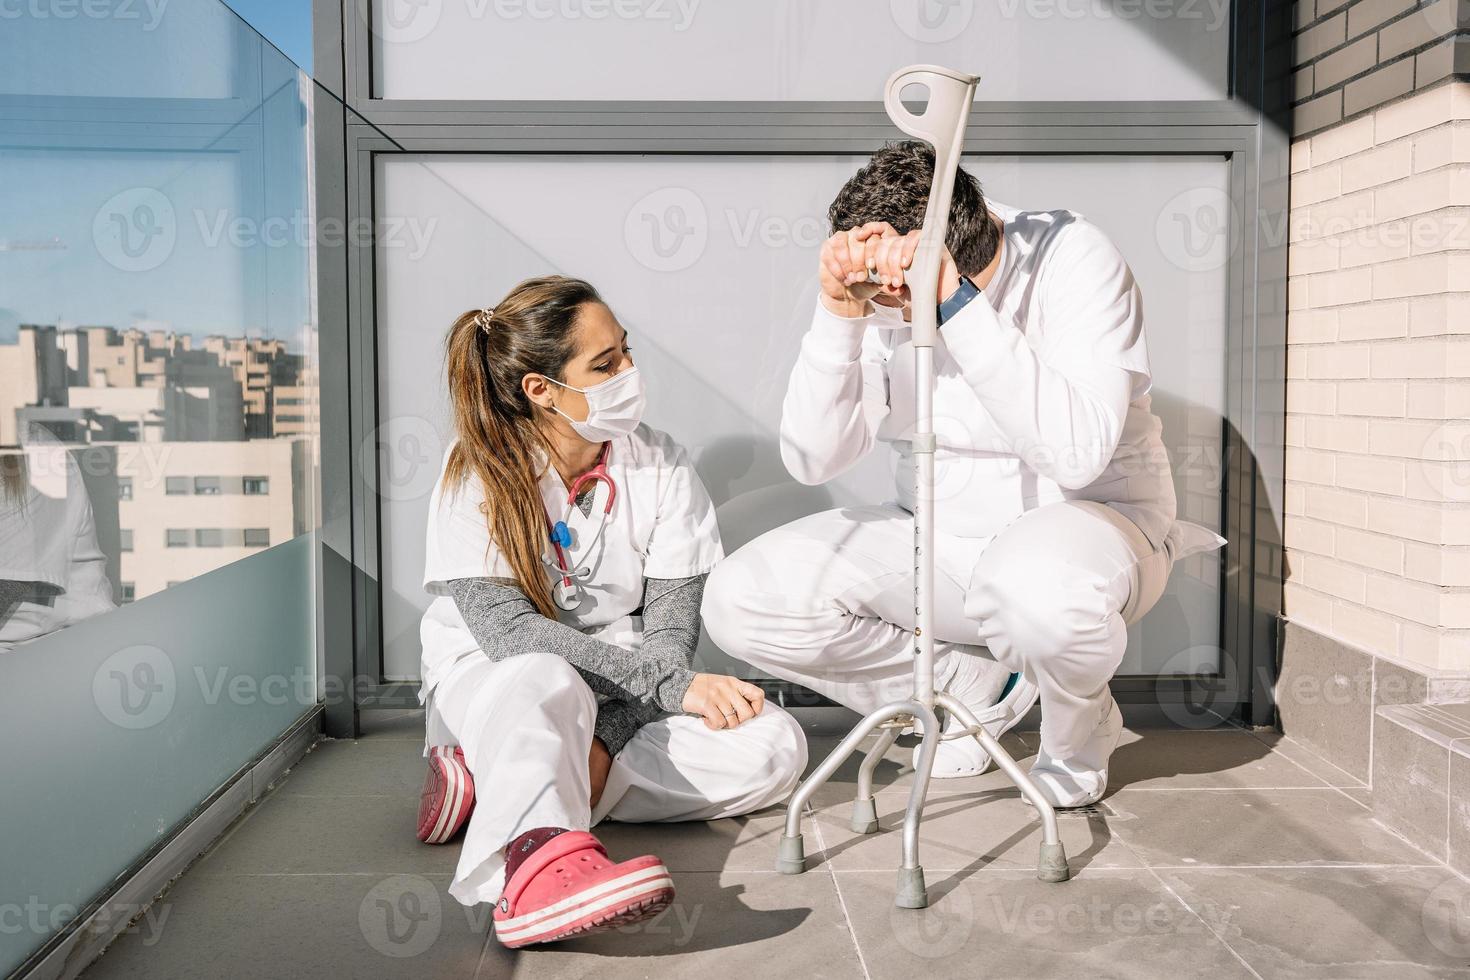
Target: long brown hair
[
  {"x": 14, "y": 480},
  {"x": 488, "y": 352}
]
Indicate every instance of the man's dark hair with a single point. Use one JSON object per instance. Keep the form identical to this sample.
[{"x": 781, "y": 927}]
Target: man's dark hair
[{"x": 894, "y": 187}]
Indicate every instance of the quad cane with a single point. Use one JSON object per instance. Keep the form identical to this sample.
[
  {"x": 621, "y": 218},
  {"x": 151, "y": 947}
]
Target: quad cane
[{"x": 942, "y": 125}]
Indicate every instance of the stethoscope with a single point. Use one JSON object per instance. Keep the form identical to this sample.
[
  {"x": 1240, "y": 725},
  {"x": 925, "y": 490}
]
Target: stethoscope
[{"x": 569, "y": 585}]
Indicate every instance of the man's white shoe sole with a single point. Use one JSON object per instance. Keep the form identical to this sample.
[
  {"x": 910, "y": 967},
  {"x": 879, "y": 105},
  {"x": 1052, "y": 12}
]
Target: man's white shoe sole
[{"x": 1040, "y": 777}]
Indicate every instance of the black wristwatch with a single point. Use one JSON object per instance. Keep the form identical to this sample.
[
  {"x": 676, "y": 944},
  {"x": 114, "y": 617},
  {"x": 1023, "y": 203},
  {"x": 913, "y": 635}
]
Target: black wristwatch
[{"x": 958, "y": 299}]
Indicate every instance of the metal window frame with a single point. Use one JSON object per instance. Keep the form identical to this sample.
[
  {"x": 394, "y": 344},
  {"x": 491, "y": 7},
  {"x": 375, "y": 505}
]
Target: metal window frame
[{"x": 1249, "y": 130}]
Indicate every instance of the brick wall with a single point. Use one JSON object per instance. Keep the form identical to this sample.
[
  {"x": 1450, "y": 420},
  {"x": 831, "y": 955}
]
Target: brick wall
[
  {"x": 1352, "y": 56},
  {"x": 1378, "y": 394}
]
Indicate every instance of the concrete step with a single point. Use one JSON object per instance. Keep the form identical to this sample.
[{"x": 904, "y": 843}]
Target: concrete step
[{"x": 1421, "y": 776}]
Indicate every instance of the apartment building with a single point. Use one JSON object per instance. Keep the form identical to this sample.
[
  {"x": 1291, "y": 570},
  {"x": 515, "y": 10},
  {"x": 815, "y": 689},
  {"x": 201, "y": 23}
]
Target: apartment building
[
  {"x": 187, "y": 508},
  {"x": 176, "y": 441}
]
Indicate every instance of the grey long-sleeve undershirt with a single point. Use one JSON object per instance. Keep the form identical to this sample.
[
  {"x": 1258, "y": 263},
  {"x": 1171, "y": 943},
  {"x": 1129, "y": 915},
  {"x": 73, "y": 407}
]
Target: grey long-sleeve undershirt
[
  {"x": 11, "y": 594},
  {"x": 634, "y": 687}
]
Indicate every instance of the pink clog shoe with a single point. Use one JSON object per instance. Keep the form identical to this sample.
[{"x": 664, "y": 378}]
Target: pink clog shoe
[
  {"x": 448, "y": 796},
  {"x": 569, "y": 887}
]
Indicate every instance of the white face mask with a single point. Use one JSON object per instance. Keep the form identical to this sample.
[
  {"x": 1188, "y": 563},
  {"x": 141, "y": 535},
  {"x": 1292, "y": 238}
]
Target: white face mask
[{"x": 614, "y": 407}]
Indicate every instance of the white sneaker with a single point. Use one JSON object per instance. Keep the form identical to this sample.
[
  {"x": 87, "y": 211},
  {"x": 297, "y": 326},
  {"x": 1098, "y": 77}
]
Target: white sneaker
[
  {"x": 1082, "y": 779},
  {"x": 961, "y": 757}
]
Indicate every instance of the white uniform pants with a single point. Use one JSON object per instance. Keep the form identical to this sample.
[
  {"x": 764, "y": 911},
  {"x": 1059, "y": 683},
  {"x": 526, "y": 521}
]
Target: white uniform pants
[
  {"x": 827, "y": 602},
  {"x": 525, "y": 725}
]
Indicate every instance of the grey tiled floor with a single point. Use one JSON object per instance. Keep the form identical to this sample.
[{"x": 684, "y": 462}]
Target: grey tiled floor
[{"x": 1216, "y": 853}]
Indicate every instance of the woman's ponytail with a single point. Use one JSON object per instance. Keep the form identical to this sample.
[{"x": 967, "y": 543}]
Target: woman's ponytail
[{"x": 487, "y": 353}]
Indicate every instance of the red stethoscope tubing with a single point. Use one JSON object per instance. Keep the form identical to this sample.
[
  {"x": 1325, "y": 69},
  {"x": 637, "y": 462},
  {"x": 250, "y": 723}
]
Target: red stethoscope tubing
[{"x": 598, "y": 472}]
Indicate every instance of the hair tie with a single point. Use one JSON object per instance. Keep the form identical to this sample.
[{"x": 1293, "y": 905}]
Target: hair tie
[{"x": 482, "y": 319}]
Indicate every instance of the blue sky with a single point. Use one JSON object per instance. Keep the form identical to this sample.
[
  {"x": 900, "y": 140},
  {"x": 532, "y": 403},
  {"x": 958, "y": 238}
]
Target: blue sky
[
  {"x": 284, "y": 23},
  {"x": 69, "y": 219}
]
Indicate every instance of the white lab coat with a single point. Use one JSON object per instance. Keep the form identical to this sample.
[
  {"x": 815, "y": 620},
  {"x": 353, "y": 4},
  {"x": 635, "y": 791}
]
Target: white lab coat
[
  {"x": 525, "y": 723},
  {"x": 1055, "y": 512}
]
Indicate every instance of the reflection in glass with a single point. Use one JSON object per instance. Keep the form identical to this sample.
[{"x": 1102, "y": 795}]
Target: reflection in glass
[
  {"x": 53, "y": 572},
  {"x": 158, "y": 427},
  {"x": 158, "y": 420},
  {"x": 181, "y": 433},
  {"x": 156, "y": 299}
]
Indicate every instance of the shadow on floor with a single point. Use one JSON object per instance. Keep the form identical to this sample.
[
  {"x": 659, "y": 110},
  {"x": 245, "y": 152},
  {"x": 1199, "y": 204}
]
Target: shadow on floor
[{"x": 1218, "y": 853}]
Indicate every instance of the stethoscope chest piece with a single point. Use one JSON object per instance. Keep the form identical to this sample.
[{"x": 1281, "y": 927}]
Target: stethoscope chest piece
[
  {"x": 567, "y": 591},
  {"x": 565, "y": 595}
]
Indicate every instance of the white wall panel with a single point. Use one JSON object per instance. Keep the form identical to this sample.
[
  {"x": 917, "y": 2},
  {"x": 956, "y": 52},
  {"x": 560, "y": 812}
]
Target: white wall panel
[
  {"x": 795, "y": 49},
  {"x": 709, "y": 262}
]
